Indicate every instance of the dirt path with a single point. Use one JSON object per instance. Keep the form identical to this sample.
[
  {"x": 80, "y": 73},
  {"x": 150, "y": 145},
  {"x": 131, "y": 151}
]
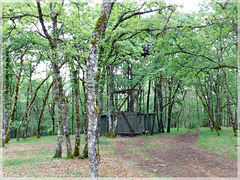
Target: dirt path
[{"x": 176, "y": 156}]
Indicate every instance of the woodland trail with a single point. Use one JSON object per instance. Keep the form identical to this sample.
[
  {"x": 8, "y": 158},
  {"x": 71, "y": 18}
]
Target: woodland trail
[{"x": 176, "y": 156}]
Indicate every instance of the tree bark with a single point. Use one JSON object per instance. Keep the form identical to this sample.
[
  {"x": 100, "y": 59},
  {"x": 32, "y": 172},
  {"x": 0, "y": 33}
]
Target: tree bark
[
  {"x": 238, "y": 70},
  {"x": 90, "y": 87},
  {"x": 43, "y": 107},
  {"x": 6, "y": 92},
  {"x": 206, "y": 109},
  {"x": 155, "y": 108},
  {"x": 160, "y": 98},
  {"x": 57, "y": 80},
  {"x": 111, "y": 110},
  {"x": 170, "y": 106},
  {"x": 148, "y": 100},
  {"x": 228, "y": 105},
  {"x": 218, "y": 104},
  {"x": 9, "y": 130},
  {"x": 85, "y": 122},
  {"x": 171, "y": 102},
  {"x": 76, "y": 152},
  {"x": 148, "y": 95},
  {"x": 51, "y": 109}
]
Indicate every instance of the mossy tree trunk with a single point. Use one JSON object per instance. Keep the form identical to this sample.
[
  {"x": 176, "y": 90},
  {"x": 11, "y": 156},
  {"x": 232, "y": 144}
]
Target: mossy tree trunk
[
  {"x": 75, "y": 87},
  {"x": 57, "y": 79},
  {"x": 228, "y": 104},
  {"x": 85, "y": 121},
  {"x": 9, "y": 130},
  {"x": 207, "y": 110},
  {"x": 238, "y": 71},
  {"x": 90, "y": 87},
  {"x": 7, "y": 72}
]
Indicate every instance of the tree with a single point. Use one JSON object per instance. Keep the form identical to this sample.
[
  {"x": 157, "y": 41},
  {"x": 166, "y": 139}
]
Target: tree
[
  {"x": 90, "y": 86},
  {"x": 9, "y": 130},
  {"x": 58, "y": 85}
]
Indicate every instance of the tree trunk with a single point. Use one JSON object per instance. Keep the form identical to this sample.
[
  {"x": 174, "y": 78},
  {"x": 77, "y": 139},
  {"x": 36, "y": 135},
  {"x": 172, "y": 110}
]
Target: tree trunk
[
  {"x": 169, "y": 117},
  {"x": 30, "y": 81},
  {"x": 43, "y": 107},
  {"x": 6, "y": 93},
  {"x": 72, "y": 109},
  {"x": 24, "y": 117},
  {"x": 30, "y": 105},
  {"x": 76, "y": 152},
  {"x": 85, "y": 122},
  {"x": 169, "y": 106},
  {"x": 51, "y": 110},
  {"x": 178, "y": 118},
  {"x": 218, "y": 103},
  {"x": 90, "y": 87},
  {"x": 9, "y": 130},
  {"x": 111, "y": 110},
  {"x": 160, "y": 98},
  {"x": 155, "y": 107},
  {"x": 57, "y": 80},
  {"x": 206, "y": 109},
  {"x": 148, "y": 95},
  {"x": 148, "y": 100},
  {"x": 238, "y": 71},
  {"x": 228, "y": 105},
  {"x": 132, "y": 95}
]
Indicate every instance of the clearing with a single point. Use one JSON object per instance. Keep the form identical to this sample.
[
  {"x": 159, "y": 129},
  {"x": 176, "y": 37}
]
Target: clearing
[{"x": 160, "y": 155}]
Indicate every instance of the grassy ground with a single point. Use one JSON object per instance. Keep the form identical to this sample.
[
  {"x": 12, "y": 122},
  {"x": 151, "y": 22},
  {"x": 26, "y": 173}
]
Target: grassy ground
[
  {"x": 224, "y": 145},
  {"x": 32, "y": 157}
]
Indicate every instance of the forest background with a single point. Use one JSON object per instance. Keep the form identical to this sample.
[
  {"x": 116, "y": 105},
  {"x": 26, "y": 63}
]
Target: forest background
[{"x": 145, "y": 57}]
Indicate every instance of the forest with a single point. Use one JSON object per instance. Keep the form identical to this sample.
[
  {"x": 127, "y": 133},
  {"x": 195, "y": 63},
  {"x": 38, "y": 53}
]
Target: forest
[{"x": 80, "y": 73}]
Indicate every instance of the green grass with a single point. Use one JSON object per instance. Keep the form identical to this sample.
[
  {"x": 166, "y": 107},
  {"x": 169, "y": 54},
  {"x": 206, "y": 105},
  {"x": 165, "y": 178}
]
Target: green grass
[
  {"x": 104, "y": 141},
  {"x": 20, "y": 161},
  {"x": 223, "y": 145},
  {"x": 174, "y": 132}
]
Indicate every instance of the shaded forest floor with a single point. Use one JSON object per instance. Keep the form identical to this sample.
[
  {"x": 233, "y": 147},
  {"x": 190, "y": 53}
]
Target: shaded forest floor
[{"x": 168, "y": 155}]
